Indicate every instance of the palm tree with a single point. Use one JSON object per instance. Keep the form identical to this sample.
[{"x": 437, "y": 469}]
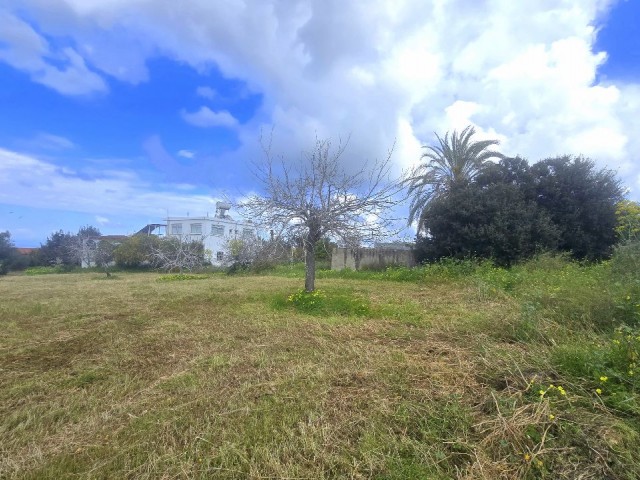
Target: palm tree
[{"x": 456, "y": 160}]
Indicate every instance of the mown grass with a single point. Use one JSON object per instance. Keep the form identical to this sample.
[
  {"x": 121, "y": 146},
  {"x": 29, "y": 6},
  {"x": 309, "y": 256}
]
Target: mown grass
[{"x": 435, "y": 372}]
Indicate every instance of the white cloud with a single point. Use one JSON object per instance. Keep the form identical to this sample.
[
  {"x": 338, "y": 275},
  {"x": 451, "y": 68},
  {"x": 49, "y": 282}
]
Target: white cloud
[
  {"x": 206, "y": 92},
  {"x": 49, "y": 141},
  {"x": 101, "y": 220},
  {"x": 524, "y": 72},
  {"x": 28, "y": 181},
  {"x": 186, "y": 153},
  {"x": 26, "y": 50},
  {"x": 205, "y": 117}
]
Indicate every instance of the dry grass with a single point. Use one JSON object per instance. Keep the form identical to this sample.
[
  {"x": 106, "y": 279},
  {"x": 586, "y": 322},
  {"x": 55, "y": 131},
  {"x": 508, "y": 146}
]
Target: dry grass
[{"x": 134, "y": 378}]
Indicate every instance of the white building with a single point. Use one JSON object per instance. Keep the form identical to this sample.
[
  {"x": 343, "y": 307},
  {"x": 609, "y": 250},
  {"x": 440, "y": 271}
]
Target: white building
[{"x": 215, "y": 232}]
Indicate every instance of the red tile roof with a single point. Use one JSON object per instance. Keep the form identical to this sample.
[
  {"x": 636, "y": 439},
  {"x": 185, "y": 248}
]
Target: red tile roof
[{"x": 26, "y": 250}]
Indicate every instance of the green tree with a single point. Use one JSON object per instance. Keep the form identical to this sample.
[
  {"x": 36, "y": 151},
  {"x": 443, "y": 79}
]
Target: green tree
[
  {"x": 59, "y": 250},
  {"x": 455, "y": 161},
  {"x": 581, "y": 201},
  {"x": 628, "y": 220},
  {"x": 493, "y": 221},
  {"x": 88, "y": 231},
  {"x": 135, "y": 251},
  {"x": 8, "y": 253}
]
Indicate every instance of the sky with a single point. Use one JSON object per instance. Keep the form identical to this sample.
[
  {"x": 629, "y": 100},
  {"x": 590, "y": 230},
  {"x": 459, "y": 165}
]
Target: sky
[{"x": 117, "y": 113}]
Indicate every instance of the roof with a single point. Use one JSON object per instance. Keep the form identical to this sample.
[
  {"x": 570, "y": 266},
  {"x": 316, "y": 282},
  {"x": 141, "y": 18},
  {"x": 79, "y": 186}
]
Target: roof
[
  {"x": 113, "y": 237},
  {"x": 26, "y": 250},
  {"x": 149, "y": 228},
  {"x": 116, "y": 238}
]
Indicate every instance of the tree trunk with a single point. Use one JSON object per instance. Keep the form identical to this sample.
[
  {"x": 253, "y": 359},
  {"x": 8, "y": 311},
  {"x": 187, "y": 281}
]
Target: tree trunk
[{"x": 310, "y": 266}]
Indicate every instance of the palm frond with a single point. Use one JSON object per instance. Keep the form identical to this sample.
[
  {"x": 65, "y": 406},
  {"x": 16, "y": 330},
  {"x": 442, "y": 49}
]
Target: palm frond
[{"x": 456, "y": 158}]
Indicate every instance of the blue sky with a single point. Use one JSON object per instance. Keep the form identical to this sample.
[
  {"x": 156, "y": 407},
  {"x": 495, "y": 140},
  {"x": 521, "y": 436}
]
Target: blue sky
[{"x": 116, "y": 113}]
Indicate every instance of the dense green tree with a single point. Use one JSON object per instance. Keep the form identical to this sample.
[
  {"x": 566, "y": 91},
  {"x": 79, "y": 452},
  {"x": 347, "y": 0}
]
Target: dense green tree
[
  {"x": 59, "y": 250},
  {"x": 8, "y": 253},
  {"x": 457, "y": 160},
  {"x": 581, "y": 201},
  {"x": 489, "y": 221},
  {"x": 510, "y": 210},
  {"x": 88, "y": 231}
]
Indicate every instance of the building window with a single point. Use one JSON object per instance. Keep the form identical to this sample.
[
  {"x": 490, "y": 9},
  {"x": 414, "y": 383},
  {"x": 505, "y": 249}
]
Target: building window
[
  {"x": 176, "y": 229},
  {"x": 217, "y": 230},
  {"x": 196, "y": 229},
  {"x": 246, "y": 232},
  {"x": 219, "y": 256}
]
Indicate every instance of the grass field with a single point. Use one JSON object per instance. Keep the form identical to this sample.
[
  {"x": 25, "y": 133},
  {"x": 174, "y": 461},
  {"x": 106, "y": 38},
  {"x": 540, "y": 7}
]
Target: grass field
[{"x": 442, "y": 374}]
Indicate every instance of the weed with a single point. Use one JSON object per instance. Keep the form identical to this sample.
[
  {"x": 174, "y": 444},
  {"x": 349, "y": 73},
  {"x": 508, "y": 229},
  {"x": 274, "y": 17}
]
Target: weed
[
  {"x": 319, "y": 302},
  {"x": 45, "y": 270},
  {"x": 177, "y": 277}
]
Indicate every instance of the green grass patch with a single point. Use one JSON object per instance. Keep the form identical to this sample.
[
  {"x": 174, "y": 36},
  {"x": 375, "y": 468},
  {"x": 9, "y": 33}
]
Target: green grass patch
[
  {"x": 46, "y": 270},
  {"x": 324, "y": 303},
  {"x": 178, "y": 277}
]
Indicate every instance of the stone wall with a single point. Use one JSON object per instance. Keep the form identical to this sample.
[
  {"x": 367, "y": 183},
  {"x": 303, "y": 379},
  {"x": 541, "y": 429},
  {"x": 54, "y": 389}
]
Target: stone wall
[{"x": 358, "y": 258}]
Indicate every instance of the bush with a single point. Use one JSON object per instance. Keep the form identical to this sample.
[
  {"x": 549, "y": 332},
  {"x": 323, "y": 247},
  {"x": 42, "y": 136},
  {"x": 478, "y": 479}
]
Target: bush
[{"x": 135, "y": 251}]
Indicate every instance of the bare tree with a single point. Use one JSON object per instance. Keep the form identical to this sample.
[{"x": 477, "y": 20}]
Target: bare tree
[
  {"x": 318, "y": 198},
  {"x": 179, "y": 253},
  {"x": 252, "y": 251}
]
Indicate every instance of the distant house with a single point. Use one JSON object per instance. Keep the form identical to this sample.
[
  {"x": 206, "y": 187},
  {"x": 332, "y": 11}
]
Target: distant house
[{"x": 214, "y": 232}]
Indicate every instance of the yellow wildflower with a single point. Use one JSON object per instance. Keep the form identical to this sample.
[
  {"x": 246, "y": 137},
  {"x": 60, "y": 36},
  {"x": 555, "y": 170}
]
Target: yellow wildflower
[
  {"x": 598, "y": 391},
  {"x": 604, "y": 378}
]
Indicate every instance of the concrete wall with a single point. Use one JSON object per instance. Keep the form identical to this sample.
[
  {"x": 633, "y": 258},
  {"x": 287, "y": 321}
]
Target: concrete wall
[{"x": 359, "y": 258}]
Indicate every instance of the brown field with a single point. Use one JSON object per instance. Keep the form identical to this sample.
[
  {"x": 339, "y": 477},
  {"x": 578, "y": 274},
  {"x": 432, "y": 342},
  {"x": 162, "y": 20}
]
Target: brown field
[{"x": 131, "y": 377}]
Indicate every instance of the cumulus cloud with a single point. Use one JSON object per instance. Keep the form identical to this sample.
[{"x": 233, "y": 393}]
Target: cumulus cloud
[
  {"x": 28, "y": 51},
  {"x": 392, "y": 70},
  {"x": 205, "y": 117},
  {"x": 42, "y": 184},
  {"x": 186, "y": 154}
]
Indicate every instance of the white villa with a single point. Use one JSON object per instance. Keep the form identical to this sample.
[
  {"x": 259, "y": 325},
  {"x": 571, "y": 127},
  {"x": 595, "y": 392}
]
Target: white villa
[{"x": 214, "y": 231}]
